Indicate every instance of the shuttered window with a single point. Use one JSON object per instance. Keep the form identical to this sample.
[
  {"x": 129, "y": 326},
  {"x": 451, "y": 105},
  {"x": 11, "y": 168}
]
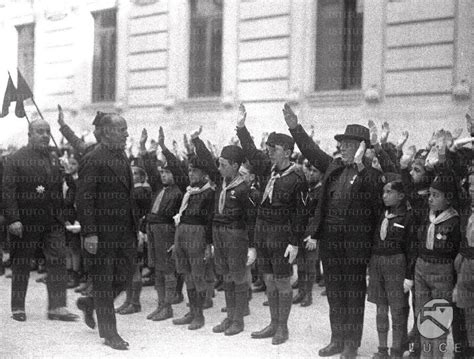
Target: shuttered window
[
  {"x": 26, "y": 52},
  {"x": 205, "y": 57},
  {"x": 339, "y": 45},
  {"x": 103, "y": 72}
]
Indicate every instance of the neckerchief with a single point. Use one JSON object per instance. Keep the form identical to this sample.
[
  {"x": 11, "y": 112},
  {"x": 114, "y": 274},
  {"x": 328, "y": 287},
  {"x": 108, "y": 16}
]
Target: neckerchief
[
  {"x": 271, "y": 182},
  {"x": 189, "y": 192},
  {"x": 158, "y": 199},
  {"x": 384, "y": 225},
  {"x": 234, "y": 183},
  {"x": 443, "y": 216}
]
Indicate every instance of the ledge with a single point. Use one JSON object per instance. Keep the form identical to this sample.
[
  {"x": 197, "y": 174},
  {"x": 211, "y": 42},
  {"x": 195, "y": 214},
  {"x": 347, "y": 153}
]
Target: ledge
[
  {"x": 335, "y": 98},
  {"x": 201, "y": 104}
]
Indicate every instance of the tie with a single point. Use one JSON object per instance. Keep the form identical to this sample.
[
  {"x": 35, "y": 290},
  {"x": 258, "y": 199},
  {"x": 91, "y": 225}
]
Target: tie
[{"x": 384, "y": 225}]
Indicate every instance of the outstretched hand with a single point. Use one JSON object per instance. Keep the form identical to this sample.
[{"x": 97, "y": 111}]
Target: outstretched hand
[
  {"x": 290, "y": 117},
  {"x": 385, "y": 132},
  {"x": 143, "y": 138},
  {"x": 61, "y": 121},
  {"x": 242, "y": 116},
  {"x": 402, "y": 140},
  {"x": 161, "y": 137},
  {"x": 196, "y": 133}
]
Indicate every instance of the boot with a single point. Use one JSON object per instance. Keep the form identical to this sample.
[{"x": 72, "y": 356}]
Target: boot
[
  {"x": 284, "y": 307},
  {"x": 229, "y": 292},
  {"x": 241, "y": 302},
  {"x": 128, "y": 298},
  {"x": 188, "y": 317},
  {"x": 382, "y": 353},
  {"x": 161, "y": 292},
  {"x": 208, "y": 300},
  {"x": 166, "y": 312},
  {"x": 155, "y": 312},
  {"x": 308, "y": 298},
  {"x": 259, "y": 286},
  {"x": 73, "y": 281},
  {"x": 198, "y": 319},
  {"x": 269, "y": 331},
  {"x": 134, "y": 301},
  {"x": 396, "y": 353}
]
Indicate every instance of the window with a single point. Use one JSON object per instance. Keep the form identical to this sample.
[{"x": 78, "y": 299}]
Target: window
[
  {"x": 205, "y": 57},
  {"x": 103, "y": 71},
  {"x": 339, "y": 45},
  {"x": 26, "y": 52}
]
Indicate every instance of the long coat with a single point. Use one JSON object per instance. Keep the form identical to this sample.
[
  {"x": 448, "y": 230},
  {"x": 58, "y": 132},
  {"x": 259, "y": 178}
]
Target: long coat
[
  {"x": 105, "y": 200},
  {"x": 364, "y": 205}
]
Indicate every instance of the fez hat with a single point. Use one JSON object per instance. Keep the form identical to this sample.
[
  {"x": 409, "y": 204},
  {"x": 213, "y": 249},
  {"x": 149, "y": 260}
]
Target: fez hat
[
  {"x": 280, "y": 139},
  {"x": 446, "y": 183},
  {"x": 355, "y": 132},
  {"x": 200, "y": 163},
  {"x": 233, "y": 153}
]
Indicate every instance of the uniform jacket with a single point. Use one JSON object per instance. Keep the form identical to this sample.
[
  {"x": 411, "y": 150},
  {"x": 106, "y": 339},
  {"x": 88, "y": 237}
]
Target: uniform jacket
[
  {"x": 365, "y": 200},
  {"x": 287, "y": 205},
  {"x": 32, "y": 187},
  {"x": 105, "y": 200}
]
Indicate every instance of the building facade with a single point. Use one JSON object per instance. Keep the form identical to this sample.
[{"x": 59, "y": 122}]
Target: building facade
[{"x": 183, "y": 63}]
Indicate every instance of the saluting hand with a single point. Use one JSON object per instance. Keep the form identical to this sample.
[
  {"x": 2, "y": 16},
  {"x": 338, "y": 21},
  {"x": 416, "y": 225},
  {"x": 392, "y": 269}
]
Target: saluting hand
[
  {"x": 242, "y": 116},
  {"x": 196, "y": 133},
  {"x": 290, "y": 117},
  {"x": 161, "y": 137},
  {"x": 61, "y": 121}
]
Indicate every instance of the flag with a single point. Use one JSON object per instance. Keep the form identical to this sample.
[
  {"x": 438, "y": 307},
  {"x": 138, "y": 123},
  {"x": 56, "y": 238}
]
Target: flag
[
  {"x": 23, "y": 92},
  {"x": 10, "y": 96}
]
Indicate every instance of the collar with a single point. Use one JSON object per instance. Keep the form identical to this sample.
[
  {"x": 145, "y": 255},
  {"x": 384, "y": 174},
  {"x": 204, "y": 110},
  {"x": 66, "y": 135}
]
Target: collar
[
  {"x": 398, "y": 211},
  {"x": 144, "y": 184},
  {"x": 275, "y": 169}
]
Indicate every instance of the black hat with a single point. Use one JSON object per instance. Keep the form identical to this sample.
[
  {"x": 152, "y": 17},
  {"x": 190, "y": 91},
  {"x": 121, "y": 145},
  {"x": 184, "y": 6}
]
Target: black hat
[
  {"x": 280, "y": 139},
  {"x": 233, "y": 153},
  {"x": 446, "y": 183},
  {"x": 355, "y": 132}
]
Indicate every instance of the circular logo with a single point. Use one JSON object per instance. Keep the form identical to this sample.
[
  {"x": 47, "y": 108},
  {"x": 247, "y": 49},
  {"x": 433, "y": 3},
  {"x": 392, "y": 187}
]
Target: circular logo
[{"x": 435, "y": 318}]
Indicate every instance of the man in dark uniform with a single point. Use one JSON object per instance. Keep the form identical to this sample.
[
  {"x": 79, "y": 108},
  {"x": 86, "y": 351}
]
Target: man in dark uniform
[
  {"x": 344, "y": 223},
  {"x": 279, "y": 228},
  {"x": 108, "y": 216},
  {"x": 33, "y": 199}
]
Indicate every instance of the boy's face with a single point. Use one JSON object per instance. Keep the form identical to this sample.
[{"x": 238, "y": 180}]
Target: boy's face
[
  {"x": 417, "y": 172},
  {"x": 391, "y": 197},
  {"x": 246, "y": 174},
  {"x": 73, "y": 166},
  {"x": 137, "y": 176},
  {"x": 437, "y": 200},
  {"x": 313, "y": 175},
  {"x": 196, "y": 175},
  {"x": 166, "y": 177},
  {"x": 226, "y": 169},
  {"x": 277, "y": 154}
]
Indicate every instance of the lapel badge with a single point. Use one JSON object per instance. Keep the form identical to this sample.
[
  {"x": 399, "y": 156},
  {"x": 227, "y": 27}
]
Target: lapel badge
[
  {"x": 40, "y": 189},
  {"x": 440, "y": 236}
]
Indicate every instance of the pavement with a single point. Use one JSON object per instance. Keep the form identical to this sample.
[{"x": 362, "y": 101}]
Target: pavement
[{"x": 39, "y": 337}]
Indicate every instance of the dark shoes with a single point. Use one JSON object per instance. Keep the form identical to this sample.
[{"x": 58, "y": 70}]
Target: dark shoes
[
  {"x": 349, "y": 352},
  {"x": 307, "y": 300},
  {"x": 267, "y": 332},
  {"x": 178, "y": 298},
  {"x": 187, "y": 319},
  {"x": 381, "y": 354},
  {"x": 235, "y": 328},
  {"x": 164, "y": 313},
  {"x": 130, "y": 309},
  {"x": 221, "y": 328},
  {"x": 281, "y": 335},
  {"x": 155, "y": 312},
  {"x": 197, "y": 322},
  {"x": 299, "y": 297},
  {"x": 330, "y": 350},
  {"x": 19, "y": 316},
  {"x": 86, "y": 304},
  {"x": 62, "y": 314},
  {"x": 116, "y": 342}
]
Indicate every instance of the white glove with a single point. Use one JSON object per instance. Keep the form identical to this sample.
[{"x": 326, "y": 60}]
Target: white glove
[
  {"x": 291, "y": 252},
  {"x": 251, "y": 256},
  {"x": 407, "y": 285}
]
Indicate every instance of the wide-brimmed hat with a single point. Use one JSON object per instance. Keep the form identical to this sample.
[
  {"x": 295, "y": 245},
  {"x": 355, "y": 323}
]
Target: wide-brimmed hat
[{"x": 355, "y": 132}]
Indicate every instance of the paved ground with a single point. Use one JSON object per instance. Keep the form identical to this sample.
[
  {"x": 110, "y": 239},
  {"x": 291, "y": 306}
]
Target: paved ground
[{"x": 41, "y": 338}]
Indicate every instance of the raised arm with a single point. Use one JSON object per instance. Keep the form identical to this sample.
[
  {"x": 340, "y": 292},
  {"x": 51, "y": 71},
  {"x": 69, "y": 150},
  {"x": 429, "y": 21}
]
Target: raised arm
[{"x": 308, "y": 148}]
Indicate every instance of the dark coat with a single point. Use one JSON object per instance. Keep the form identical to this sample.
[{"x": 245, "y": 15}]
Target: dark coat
[
  {"x": 105, "y": 202},
  {"x": 363, "y": 207},
  {"x": 32, "y": 194}
]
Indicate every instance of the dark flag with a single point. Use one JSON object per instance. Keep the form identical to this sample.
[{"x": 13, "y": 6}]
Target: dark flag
[
  {"x": 23, "y": 92},
  {"x": 10, "y": 96}
]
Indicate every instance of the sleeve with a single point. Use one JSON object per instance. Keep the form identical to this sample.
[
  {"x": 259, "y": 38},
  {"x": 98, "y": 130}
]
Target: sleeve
[
  {"x": 210, "y": 216},
  {"x": 78, "y": 144},
  {"x": 203, "y": 153},
  {"x": 258, "y": 159},
  {"x": 177, "y": 169},
  {"x": 299, "y": 220},
  {"x": 311, "y": 150},
  {"x": 411, "y": 247},
  {"x": 10, "y": 176},
  {"x": 250, "y": 216},
  {"x": 86, "y": 196},
  {"x": 150, "y": 163},
  {"x": 385, "y": 161}
]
